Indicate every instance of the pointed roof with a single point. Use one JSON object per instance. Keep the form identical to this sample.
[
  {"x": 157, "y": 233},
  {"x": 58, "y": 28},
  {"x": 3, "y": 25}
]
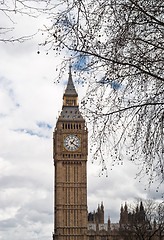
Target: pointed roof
[
  {"x": 70, "y": 89},
  {"x": 141, "y": 206},
  {"x": 70, "y": 112},
  {"x": 126, "y": 207}
]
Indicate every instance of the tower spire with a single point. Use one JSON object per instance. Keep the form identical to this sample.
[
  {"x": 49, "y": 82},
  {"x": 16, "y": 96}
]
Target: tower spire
[
  {"x": 70, "y": 89},
  {"x": 70, "y": 109}
]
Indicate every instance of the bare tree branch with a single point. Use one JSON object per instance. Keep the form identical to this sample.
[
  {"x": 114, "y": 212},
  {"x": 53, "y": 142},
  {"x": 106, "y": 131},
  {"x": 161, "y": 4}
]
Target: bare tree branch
[{"x": 117, "y": 48}]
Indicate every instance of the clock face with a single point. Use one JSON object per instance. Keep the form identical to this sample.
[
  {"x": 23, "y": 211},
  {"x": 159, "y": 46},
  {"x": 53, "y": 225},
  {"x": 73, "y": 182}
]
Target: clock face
[{"x": 71, "y": 143}]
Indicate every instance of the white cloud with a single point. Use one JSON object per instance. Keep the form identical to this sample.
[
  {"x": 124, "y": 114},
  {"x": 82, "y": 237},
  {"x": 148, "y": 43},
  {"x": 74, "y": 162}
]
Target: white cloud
[{"x": 28, "y": 97}]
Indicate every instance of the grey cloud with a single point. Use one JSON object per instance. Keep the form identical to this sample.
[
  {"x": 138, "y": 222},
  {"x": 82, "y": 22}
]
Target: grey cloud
[
  {"x": 7, "y": 224},
  {"x": 33, "y": 215}
]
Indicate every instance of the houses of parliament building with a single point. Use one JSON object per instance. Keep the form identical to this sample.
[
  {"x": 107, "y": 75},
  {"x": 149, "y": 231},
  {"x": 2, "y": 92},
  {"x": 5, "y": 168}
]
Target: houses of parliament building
[{"x": 70, "y": 150}]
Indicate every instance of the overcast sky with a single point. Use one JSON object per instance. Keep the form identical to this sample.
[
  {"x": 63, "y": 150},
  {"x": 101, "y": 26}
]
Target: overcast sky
[{"x": 29, "y": 106}]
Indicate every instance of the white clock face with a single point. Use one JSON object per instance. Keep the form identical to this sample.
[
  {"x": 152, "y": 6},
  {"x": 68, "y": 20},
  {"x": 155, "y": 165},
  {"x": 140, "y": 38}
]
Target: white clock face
[{"x": 71, "y": 143}]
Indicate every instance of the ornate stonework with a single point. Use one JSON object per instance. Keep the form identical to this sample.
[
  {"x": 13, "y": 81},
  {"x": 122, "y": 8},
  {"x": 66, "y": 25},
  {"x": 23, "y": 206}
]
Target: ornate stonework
[{"x": 70, "y": 160}]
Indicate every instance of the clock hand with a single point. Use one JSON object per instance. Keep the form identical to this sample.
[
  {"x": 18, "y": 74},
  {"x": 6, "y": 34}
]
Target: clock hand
[
  {"x": 74, "y": 144},
  {"x": 73, "y": 141}
]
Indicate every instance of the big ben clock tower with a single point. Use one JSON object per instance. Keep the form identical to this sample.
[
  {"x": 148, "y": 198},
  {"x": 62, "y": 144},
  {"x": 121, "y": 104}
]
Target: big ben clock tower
[{"x": 70, "y": 160}]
